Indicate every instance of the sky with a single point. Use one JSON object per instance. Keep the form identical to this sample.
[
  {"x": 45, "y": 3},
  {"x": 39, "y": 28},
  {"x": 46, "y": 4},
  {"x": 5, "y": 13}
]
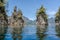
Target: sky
[{"x": 30, "y": 7}]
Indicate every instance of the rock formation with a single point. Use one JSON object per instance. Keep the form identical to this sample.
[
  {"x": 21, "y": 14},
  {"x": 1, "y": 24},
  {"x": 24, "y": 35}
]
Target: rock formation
[
  {"x": 3, "y": 16},
  {"x": 3, "y": 20},
  {"x": 16, "y": 22},
  {"x": 41, "y": 21},
  {"x": 57, "y": 18},
  {"x": 16, "y": 18},
  {"x": 41, "y": 16}
]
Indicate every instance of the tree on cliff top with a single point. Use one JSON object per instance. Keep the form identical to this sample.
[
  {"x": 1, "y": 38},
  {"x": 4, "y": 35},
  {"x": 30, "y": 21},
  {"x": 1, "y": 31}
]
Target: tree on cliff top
[
  {"x": 17, "y": 14},
  {"x": 42, "y": 12},
  {"x": 57, "y": 15},
  {"x": 20, "y": 13},
  {"x": 2, "y": 9}
]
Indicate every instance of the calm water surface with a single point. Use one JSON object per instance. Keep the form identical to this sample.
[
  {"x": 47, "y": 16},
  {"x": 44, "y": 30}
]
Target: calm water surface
[{"x": 31, "y": 33}]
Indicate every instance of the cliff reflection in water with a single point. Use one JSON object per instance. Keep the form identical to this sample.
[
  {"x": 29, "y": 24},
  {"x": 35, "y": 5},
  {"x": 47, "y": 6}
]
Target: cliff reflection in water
[
  {"x": 16, "y": 33},
  {"x": 3, "y": 30},
  {"x": 58, "y": 30},
  {"x": 41, "y": 31}
]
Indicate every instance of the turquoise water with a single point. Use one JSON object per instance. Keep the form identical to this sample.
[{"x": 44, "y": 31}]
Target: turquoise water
[{"x": 31, "y": 32}]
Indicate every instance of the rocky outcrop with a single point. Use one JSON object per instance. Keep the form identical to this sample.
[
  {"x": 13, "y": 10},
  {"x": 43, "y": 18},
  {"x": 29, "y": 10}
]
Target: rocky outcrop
[
  {"x": 41, "y": 16},
  {"x": 3, "y": 16},
  {"x": 57, "y": 18},
  {"x": 3, "y": 20},
  {"x": 16, "y": 18},
  {"x": 16, "y": 22},
  {"x": 41, "y": 21}
]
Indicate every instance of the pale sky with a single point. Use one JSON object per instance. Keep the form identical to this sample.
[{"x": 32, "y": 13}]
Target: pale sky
[{"x": 29, "y": 7}]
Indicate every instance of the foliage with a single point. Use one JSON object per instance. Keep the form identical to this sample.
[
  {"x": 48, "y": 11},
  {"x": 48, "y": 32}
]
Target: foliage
[
  {"x": 57, "y": 15},
  {"x": 19, "y": 14},
  {"x": 1, "y": 15},
  {"x": 42, "y": 12},
  {"x": 2, "y": 10},
  {"x": 1, "y": 4}
]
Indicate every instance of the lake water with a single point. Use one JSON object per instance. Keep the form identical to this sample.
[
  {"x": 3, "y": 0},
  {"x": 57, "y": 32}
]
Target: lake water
[{"x": 30, "y": 32}]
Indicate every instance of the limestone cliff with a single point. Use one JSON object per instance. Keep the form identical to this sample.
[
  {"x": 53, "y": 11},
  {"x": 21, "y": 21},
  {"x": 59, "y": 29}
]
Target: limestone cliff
[
  {"x": 3, "y": 20},
  {"x": 57, "y": 18},
  {"x": 3, "y": 16},
  {"x": 41, "y": 16},
  {"x": 16, "y": 22},
  {"x": 16, "y": 18}
]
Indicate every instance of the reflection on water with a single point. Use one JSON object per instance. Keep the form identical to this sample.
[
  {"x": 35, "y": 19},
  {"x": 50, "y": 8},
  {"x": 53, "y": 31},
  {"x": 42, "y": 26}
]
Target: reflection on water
[
  {"x": 41, "y": 36},
  {"x": 41, "y": 31},
  {"x": 3, "y": 30},
  {"x": 14, "y": 33},
  {"x": 17, "y": 33},
  {"x": 31, "y": 32},
  {"x": 58, "y": 30}
]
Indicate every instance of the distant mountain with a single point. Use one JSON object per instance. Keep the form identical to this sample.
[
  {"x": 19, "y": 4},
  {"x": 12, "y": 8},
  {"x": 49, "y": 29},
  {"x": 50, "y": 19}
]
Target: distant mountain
[
  {"x": 28, "y": 21},
  {"x": 51, "y": 20}
]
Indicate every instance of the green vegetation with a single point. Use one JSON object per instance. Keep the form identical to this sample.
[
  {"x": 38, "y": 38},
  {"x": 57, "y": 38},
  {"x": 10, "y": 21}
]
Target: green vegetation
[
  {"x": 2, "y": 11},
  {"x": 57, "y": 18},
  {"x": 2, "y": 2},
  {"x": 42, "y": 12},
  {"x": 19, "y": 14}
]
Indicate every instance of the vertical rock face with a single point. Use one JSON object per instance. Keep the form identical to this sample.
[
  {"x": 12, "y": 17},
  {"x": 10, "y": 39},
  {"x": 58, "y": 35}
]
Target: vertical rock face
[
  {"x": 57, "y": 18},
  {"x": 16, "y": 22},
  {"x": 42, "y": 28},
  {"x": 16, "y": 18},
  {"x": 3, "y": 16},
  {"x": 41, "y": 21},
  {"x": 41, "y": 16},
  {"x": 3, "y": 20}
]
